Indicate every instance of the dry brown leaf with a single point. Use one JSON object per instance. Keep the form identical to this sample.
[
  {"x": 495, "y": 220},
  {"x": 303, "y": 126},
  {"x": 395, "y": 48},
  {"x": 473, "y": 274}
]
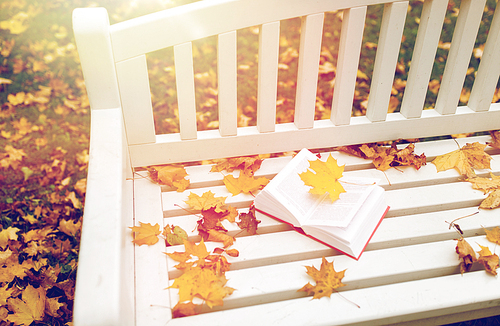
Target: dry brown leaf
[{"x": 466, "y": 254}]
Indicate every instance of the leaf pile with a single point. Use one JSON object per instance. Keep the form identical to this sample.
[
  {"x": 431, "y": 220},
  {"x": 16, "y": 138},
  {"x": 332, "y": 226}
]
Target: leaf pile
[
  {"x": 202, "y": 278},
  {"x": 385, "y": 157}
]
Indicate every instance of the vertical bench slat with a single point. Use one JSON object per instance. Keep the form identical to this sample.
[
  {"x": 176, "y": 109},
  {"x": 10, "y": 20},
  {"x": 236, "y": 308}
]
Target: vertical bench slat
[
  {"x": 133, "y": 80},
  {"x": 227, "y": 81},
  {"x": 351, "y": 37},
  {"x": 489, "y": 69},
  {"x": 267, "y": 84},
  {"x": 307, "y": 77},
  {"x": 458, "y": 60},
  {"x": 424, "y": 52},
  {"x": 184, "y": 79},
  {"x": 391, "y": 32}
]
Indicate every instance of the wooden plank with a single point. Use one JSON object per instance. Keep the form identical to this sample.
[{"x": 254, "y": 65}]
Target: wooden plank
[
  {"x": 384, "y": 304},
  {"x": 99, "y": 293},
  {"x": 135, "y": 95},
  {"x": 307, "y": 77},
  {"x": 458, "y": 60},
  {"x": 184, "y": 81},
  {"x": 146, "y": 34},
  {"x": 489, "y": 68},
  {"x": 267, "y": 83},
  {"x": 351, "y": 37},
  {"x": 91, "y": 27},
  {"x": 151, "y": 279},
  {"x": 227, "y": 83},
  {"x": 170, "y": 149},
  {"x": 424, "y": 52},
  {"x": 391, "y": 32}
]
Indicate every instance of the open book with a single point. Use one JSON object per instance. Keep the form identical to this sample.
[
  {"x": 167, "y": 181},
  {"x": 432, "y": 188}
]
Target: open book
[{"x": 346, "y": 224}]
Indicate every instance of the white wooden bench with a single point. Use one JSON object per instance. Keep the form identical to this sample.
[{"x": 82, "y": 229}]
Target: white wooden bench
[{"x": 409, "y": 271}]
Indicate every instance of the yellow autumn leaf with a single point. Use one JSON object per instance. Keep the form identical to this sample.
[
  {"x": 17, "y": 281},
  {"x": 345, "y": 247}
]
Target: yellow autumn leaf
[
  {"x": 325, "y": 177},
  {"x": 146, "y": 233},
  {"x": 464, "y": 160},
  {"x": 244, "y": 183},
  {"x": 28, "y": 309},
  {"x": 16, "y": 24}
]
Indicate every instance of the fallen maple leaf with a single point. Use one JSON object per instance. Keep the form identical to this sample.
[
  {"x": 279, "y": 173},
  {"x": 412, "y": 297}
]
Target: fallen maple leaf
[
  {"x": 248, "y": 221},
  {"x": 471, "y": 156},
  {"x": 28, "y": 309},
  {"x": 489, "y": 260},
  {"x": 7, "y": 234},
  {"x": 206, "y": 201},
  {"x": 244, "y": 183},
  {"x": 493, "y": 235},
  {"x": 491, "y": 186},
  {"x": 466, "y": 254},
  {"x": 325, "y": 178},
  {"x": 327, "y": 280},
  {"x": 146, "y": 234},
  {"x": 247, "y": 164},
  {"x": 170, "y": 175},
  {"x": 385, "y": 157}
]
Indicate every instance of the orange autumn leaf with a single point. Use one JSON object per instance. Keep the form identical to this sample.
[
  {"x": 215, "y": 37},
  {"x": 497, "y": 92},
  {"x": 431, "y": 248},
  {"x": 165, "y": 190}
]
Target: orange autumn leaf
[
  {"x": 215, "y": 235},
  {"x": 28, "y": 309},
  {"x": 466, "y": 254},
  {"x": 489, "y": 260},
  {"x": 146, "y": 234},
  {"x": 326, "y": 278},
  {"x": 244, "y": 183},
  {"x": 325, "y": 177},
  {"x": 471, "y": 156},
  {"x": 170, "y": 175},
  {"x": 7, "y": 234},
  {"x": 183, "y": 309}
]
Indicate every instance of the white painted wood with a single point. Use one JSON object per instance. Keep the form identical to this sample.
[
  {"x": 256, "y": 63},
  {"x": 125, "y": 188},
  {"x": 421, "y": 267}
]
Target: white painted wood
[
  {"x": 184, "y": 81},
  {"x": 210, "y": 145},
  {"x": 458, "y": 60},
  {"x": 409, "y": 271},
  {"x": 135, "y": 94},
  {"x": 489, "y": 68},
  {"x": 151, "y": 279},
  {"x": 227, "y": 83},
  {"x": 307, "y": 77},
  {"x": 351, "y": 37},
  {"x": 424, "y": 52},
  {"x": 91, "y": 28},
  {"x": 147, "y": 33},
  {"x": 103, "y": 290},
  {"x": 391, "y": 32},
  {"x": 267, "y": 83}
]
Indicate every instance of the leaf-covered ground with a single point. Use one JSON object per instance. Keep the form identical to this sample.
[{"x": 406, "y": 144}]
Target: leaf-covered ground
[{"x": 44, "y": 126}]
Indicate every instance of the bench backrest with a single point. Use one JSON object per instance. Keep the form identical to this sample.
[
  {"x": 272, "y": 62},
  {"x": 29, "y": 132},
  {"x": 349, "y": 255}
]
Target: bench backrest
[{"x": 115, "y": 70}]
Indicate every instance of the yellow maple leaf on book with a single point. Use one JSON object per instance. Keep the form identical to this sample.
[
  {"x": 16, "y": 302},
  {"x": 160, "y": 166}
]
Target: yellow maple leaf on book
[{"x": 323, "y": 177}]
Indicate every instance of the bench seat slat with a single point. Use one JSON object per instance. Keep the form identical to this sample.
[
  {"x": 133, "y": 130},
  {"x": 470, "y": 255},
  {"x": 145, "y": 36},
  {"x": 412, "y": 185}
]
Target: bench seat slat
[{"x": 423, "y": 298}]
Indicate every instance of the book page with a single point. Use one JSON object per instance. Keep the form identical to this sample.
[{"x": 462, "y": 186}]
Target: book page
[{"x": 289, "y": 189}]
